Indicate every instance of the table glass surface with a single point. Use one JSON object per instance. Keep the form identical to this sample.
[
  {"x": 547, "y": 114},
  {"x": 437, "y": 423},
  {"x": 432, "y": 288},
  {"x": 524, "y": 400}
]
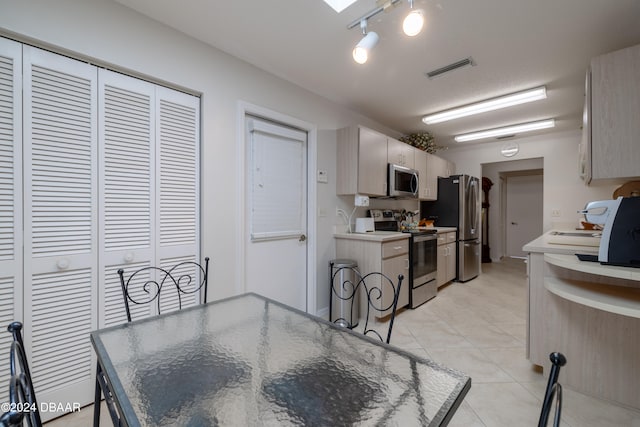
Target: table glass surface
[{"x": 248, "y": 360}]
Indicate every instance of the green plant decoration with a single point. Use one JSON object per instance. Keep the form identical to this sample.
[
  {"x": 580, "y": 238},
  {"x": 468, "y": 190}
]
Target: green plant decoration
[{"x": 423, "y": 141}]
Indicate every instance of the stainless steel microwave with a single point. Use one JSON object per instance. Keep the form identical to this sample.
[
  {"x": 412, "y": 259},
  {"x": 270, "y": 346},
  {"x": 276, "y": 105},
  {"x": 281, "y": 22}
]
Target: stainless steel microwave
[{"x": 402, "y": 182}]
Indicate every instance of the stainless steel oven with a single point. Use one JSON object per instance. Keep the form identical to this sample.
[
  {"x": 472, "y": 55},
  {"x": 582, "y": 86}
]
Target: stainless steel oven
[{"x": 423, "y": 258}]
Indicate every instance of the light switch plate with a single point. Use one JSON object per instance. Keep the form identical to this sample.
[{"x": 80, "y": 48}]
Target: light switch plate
[{"x": 323, "y": 176}]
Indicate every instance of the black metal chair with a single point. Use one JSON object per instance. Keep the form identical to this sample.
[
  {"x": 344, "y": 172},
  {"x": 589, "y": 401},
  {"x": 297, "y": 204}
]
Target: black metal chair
[
  {"x": 23, "y": 405},
  {"x": 372, "y": 286},
  {"x": 145, "y": 286},
  {"x": 553, "y": 389}
]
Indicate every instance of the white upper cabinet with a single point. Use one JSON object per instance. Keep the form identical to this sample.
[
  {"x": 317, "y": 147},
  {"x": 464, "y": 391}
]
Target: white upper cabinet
[
  {"x": 610, "y": 151},
  {"x": 399, "y": 153},
  {"x": 361, "y": 162},
  {"x": 362, "y": 158}
]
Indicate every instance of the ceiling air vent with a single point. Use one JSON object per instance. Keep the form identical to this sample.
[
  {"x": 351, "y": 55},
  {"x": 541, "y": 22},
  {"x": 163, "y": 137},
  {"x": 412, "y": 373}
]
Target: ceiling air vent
[{"x": 440, "y": 71}]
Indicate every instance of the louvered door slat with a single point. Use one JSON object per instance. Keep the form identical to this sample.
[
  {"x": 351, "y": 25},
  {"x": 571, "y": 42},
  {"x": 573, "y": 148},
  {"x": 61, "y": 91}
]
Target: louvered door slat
[
  {"x": 10, "y": 198},
  {"x": 61, "y": 222}
]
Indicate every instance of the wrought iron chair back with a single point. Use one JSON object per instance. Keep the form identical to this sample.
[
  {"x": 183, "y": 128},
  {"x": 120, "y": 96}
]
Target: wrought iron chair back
[
  {"x": 554, "y": 389},
  {"x": 380, "y": 292},
  {"x": 23, "y": 405},
  {"x": 146, "y": 285}
]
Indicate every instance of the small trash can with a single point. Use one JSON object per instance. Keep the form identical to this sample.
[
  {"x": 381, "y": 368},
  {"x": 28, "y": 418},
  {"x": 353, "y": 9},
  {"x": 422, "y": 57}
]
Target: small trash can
[{"x": 341, "y": 308}]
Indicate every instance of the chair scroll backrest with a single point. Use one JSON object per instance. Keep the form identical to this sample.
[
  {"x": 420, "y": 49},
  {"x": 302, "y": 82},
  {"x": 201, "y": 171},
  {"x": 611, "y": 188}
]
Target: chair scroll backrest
[
  {"x": 146, "y": 285},
  {"x": 381, "y": 295},
  {"x": 553, "y": 389},
  {"x": 23, "y": 405}
]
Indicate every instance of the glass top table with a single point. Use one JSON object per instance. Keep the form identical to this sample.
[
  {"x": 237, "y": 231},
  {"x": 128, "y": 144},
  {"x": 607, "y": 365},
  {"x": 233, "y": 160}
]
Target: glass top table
[{"x": 249, "y": 360}]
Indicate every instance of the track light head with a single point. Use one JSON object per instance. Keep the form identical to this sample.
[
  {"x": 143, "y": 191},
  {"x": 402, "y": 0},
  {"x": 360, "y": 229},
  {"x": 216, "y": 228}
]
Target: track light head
[
  {"x": 413, "y": 23},
  {"x": 361, "y": 51}
]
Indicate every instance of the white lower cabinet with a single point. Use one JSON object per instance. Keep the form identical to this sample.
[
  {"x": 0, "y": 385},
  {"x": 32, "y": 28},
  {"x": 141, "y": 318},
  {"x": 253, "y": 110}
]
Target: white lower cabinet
[
  {"x": 446, "y": 258},
  {"x": 389, "y": 257},
  {"x": 99, "y": 172}
]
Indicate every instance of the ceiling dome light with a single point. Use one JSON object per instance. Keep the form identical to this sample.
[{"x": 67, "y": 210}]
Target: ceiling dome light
[
  {"x": 413, "y": 23},
  {"x": 361, "y": 51}
]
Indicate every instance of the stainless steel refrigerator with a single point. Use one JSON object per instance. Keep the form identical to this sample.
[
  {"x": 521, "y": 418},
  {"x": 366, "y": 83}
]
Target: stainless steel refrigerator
[{"x": 458, "y": 205}]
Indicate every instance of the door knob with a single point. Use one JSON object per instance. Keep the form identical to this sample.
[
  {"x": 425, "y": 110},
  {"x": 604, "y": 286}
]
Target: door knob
[{"x": 302, "y": 238}]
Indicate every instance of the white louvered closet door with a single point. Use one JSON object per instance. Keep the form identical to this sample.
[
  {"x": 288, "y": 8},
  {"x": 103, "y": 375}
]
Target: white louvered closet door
[
  {"x": 60, "y": 223},
  {"x": 127, "y": 182},
  {"x": 178, "y": 192},
  {"x": 10, "y": 199}
]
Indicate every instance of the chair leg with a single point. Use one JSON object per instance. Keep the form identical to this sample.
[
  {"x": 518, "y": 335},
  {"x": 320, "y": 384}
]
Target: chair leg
[{"x": 557, "y": 360}]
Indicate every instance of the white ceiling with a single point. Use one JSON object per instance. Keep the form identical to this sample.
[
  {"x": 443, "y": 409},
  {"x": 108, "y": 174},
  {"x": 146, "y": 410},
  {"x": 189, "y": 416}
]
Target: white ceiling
[{"x": 516, "y": 44}]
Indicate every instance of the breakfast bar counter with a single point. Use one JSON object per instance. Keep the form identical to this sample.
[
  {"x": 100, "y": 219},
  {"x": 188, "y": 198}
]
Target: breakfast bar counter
[{"x": 590, "y": 313}]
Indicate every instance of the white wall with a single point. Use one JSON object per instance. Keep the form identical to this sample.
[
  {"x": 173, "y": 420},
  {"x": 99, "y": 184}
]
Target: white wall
[
  {"x": 113, "y": 35},
  {"x": 563, "y": 188}
]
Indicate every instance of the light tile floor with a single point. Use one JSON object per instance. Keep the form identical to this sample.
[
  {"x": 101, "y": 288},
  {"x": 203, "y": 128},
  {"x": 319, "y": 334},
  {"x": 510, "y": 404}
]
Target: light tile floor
[{"x": 478, "y": 327}]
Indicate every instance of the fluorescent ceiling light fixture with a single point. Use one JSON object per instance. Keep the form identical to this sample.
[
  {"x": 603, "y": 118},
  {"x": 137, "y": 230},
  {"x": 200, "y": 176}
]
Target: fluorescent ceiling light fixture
[
  {"x": 413, "y": 22},
  {"x": 339, "y": 5},
  {"x": 488, "y": 105},
  {"x": 508, "y": 130}
]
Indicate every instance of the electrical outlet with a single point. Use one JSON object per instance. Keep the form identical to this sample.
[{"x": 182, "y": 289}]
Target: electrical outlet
[
  {"x": 555, "y": 213},
  {"x": 361, "y": 200}
]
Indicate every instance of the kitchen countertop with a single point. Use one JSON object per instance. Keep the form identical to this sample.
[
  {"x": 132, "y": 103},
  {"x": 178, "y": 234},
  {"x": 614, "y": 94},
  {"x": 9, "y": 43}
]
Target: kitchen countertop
[
  {"x": 375, "y": 236},
  {"x": 386, "y": 236},
  {"x": 553, "y": 244},
  {"x": 439, "y": 229}
]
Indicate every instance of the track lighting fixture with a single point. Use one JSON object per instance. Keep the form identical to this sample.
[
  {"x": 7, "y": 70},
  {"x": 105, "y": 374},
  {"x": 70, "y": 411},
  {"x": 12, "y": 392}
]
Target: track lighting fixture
[
  {"x": 413, "y": 22},
  {"x": 412, "y": 26},
  {"x": 361, "y": 51}
]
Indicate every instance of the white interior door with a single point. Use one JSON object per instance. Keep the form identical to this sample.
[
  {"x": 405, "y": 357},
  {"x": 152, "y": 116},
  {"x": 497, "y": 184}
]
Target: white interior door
[
  {"x": 276, "y": 247},
  {"x": 60, "y": 223},
  {"x": 523, "y": 213},
  {"x": 127, "y": 176}
]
